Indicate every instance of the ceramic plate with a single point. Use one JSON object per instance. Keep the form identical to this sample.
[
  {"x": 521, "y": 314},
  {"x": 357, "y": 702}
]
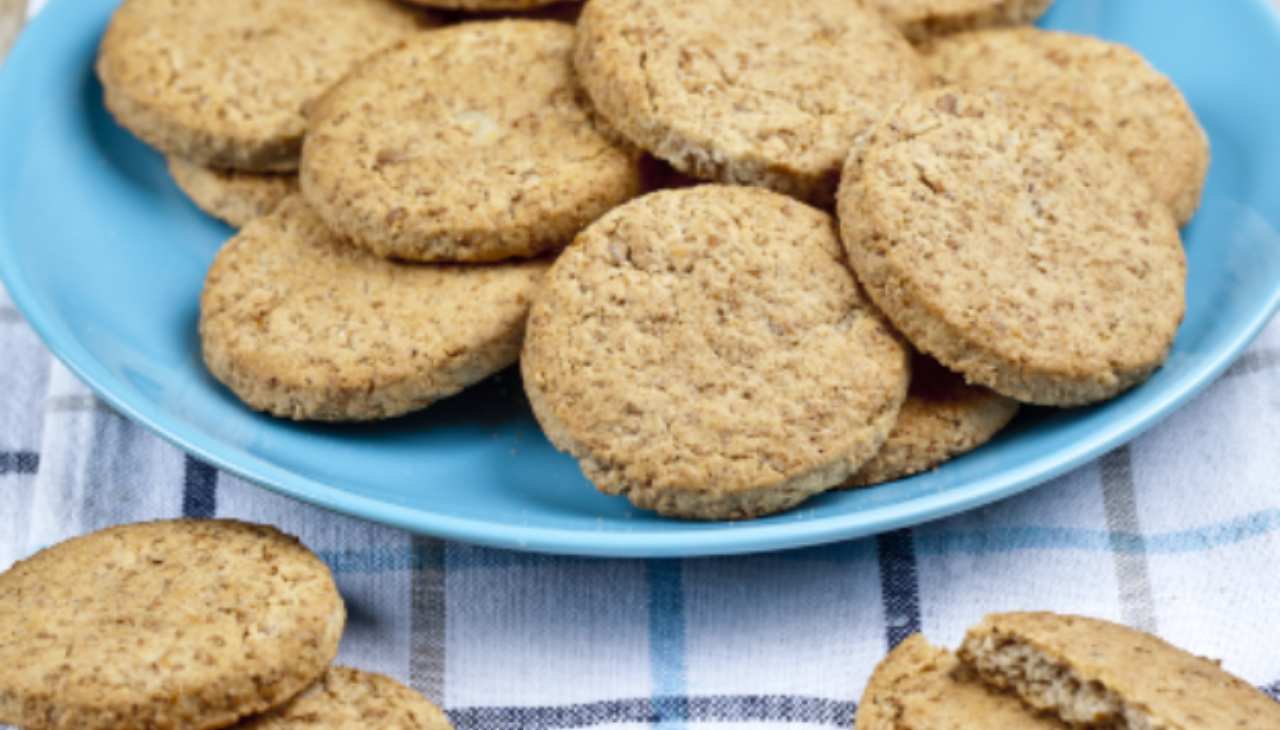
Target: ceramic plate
[{"x": 106, "y": 260}]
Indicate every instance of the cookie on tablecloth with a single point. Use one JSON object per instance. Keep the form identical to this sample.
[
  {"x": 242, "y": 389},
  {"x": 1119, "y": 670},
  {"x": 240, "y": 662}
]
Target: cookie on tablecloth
[
  {"x": 1111, "y": 90},
  {"x": 768, "y": 92},
  {"x": 706, "y": 353},
  {"x": 187, "y": 624},
  {"x": 227, "y": 83},
  {"x": 303, "y": 325},
  {"x": 471, "y": 143},
  {"x": 1010, "y": 245},
  {"x": 232, "y": 197},
  {"x": 1095, "y": 673},
  {"x": 349, "y": 699},
  {"x": 922, "y": 687}
]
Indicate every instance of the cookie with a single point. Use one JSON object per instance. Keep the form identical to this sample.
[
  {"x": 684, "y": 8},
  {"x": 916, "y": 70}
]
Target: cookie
[
  {"x": 1094, "y": 673},
  {"x": 227, "y": 83},
  {"x": 1007, "y": 243},
  {"x": 1108, "y": 88},
  {"x": 179, "y": 624},
  {"x": 941, "y": 419},
  {"x": 706, "y": 353},
  {"x": 349, "y": 699},
  {"x": 470, "y": 143},
  {"x": 922, "y": 19},
  {"x": 232, "y": 197},
  {"x": 300, "y": 324},
  {"x": 922, "y": 687},
  {"x": 768, "y": 92}
]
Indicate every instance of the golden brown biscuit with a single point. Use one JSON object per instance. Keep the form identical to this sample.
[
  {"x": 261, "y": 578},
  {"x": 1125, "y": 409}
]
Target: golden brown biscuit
[
  {"x": 1111, "y": 90},
  {"x": 348, "y": 699},
  {"x": 767, "y": 92},
  {"x": 706, "y": 353},
  {"x": 298, "y": 323},
  {"x": 179, "y": 624},
  {"x": 1007, "y": 243},
  {"x": 921, "y": 687},
  {"x": 485, "y": 6},
  {"x": 232, "y": 197},
  {"x": 226, "y": 83},
  {"x": 1095, "y": 673},
  {"x": 922, "y": 19},
  {"x": 470, "y": 143},
  {"x": 942, "y": 418}
]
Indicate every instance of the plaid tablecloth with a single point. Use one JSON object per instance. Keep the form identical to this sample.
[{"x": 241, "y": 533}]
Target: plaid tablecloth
[{"x": 1178, "y": 533}]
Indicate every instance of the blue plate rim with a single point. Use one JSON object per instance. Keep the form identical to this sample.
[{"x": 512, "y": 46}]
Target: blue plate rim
[{"x": 739, "y": 538}]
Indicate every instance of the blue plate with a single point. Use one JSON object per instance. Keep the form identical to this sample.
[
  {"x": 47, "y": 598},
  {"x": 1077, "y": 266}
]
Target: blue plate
[{"x": 106, "y": 259}]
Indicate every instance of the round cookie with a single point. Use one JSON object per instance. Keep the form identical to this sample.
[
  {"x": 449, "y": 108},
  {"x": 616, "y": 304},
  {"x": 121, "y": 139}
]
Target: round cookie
[
  {"x": 922, "y": 687},
  {"x": 179, "y": 624},
  {"x": 942, "y": 418},
  {"x": 1007, "y": 243},
  {"x": 349, "y": 699},
  {"x": 470, "y": 143},
  {"x": 706, "y": 353},
  {"x": 768, "y": 92},
  {"x": 232, "y": 197},
  {"x": 1108, "y": 88},
  {"x": 300, "y": 324},
  {"x": 920, "y": 19},
  {"x": 226, "y": 83},
  {"x": 1095, "y": 673}
]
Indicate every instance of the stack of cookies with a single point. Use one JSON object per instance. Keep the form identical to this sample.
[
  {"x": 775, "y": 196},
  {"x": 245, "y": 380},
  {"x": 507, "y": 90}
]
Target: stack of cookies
[
  {"x": 187, "y": 625},
  {"x": 919, "y": 216},
  {"x": 1044, "y": 671}
]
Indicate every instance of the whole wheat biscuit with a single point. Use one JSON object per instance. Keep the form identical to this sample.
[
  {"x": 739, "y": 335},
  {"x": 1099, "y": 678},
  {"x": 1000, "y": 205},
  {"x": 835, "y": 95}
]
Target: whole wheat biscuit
[
  {"x": 768, "y": 92},
  {"x": 922, "y": 687},
  {"x": 232, "y": 197},
  {"x": 300, "y": 324},
  {"x": 942, "y": 418},
  {"x": 470, "y": 143},
  {"x": 180, "y": 624},
  {"x": 349, "y": 699},
  {"x": 1007, "y": 243},
  {"x": 706, "y": 353},
  {"x": 1094, "y": 673},
  {"x": 1108, "y": 88},
  {"x": 922, "y": 19},
  {"x": 226, "y": 83}
]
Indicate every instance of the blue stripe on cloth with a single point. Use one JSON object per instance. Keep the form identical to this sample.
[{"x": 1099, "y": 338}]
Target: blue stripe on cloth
[
  {"x": 199, "y": 489},
  {"x": 1273, "y": 690},
  {"x": 19, "y": 462},
  {"x": 665, "y": 580},
  {"x": 706, "y": 709},
  {"x": 928, "y": 541},
  {"x": 899, "y": 586}
]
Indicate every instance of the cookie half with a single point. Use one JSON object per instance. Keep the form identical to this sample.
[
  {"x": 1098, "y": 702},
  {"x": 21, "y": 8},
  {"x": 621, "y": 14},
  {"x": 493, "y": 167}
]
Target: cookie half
[
  {"x": 943, "y": 417},
  {"x": 236, "y": 198},
  {"x": 706, "y": 353},
  {"x": 922, "y": 19},
  {"x": 349, "y": 699},
  {"x": 470, "y": 143},
  {"x": 302, "y": 325},
  {"x": 1095, "y": 673},
  {"x": 769, "y": 92},
  {"x": 922, "y": 687},
  {"x": 1010, "y": 245},
  {"x": 180, "y": 624},
  {"x": 227, "y": 83},
  {"x": 1108, "y": 88}
]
